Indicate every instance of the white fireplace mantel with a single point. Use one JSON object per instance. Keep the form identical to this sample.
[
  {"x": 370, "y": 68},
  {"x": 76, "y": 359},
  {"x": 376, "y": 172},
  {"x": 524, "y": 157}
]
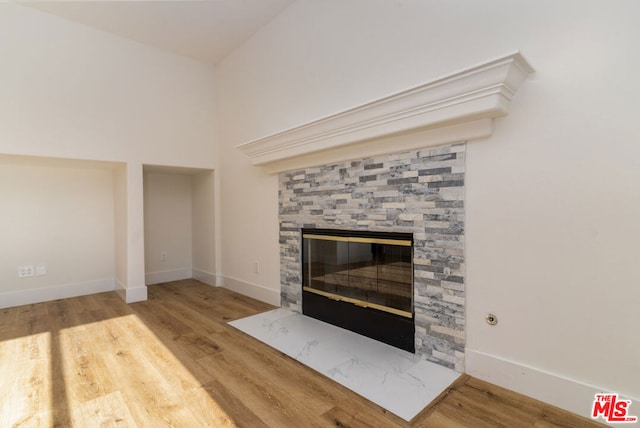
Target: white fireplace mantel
[{"x": 457, "y": 107}]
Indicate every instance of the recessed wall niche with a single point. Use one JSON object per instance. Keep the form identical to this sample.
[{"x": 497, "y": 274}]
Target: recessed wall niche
[
  {"x": 179, "y": 224},
  {"x": 57, "y": 217}
]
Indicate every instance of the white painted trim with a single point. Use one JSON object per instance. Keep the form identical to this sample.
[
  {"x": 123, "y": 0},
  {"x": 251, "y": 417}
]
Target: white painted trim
[
  {"x": 205, "y": 277},
  {"x": 136, "y": 294},
  {"x": 479, "y": 92},
  {"x": 217, "y": 218},
  {"x": 255, "y": 291},
  {"x": 560, "y": 391},
  {"x": 131, "y": 294},
  {"x": 63, "y": 291},
  {"x": 168, "y": 276}
]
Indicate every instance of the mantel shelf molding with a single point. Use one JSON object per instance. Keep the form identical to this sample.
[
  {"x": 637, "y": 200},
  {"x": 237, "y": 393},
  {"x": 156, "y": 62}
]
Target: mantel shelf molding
[{"x": 457, "y": 107}]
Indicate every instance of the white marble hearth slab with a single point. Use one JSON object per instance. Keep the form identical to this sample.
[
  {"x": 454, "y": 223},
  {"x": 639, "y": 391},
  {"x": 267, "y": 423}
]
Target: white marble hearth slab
[{"x": 392, "y": 378}]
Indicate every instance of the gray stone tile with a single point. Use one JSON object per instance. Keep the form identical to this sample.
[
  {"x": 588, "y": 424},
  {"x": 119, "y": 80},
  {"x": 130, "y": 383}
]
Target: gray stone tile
[{"x": 384, "y": 193}]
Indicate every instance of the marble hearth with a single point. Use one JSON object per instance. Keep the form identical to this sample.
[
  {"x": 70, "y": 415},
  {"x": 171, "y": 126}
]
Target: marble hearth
[{"x": 397, "y": 380}]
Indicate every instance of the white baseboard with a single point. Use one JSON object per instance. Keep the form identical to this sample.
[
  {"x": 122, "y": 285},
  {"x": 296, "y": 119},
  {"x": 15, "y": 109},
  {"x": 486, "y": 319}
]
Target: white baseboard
[
  {"x": 205, "y": 277},
  {"x": 168, "y": 276},
  {"x": 37, "y": 295},
  {"x": 569, "y": 394},
  {"x": 121, "y": 289},
  {"x": 132, "y": 294},
  {"x": 255, "y": 291},
  {"x": 136, "y": 294}
]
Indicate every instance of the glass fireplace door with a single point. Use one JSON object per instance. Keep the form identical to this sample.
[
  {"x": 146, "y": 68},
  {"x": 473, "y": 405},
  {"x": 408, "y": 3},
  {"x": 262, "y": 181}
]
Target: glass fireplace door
[
  {"x": 369, "y": 272},
  {"x": 326, "y": 265}
]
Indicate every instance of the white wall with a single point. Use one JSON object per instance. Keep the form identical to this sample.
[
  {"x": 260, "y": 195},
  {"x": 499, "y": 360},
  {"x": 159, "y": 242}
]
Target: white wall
[
  {"x": 552, "y": 196},
  {"x": 167, "y": 227},
  {"x": 69, "y": 91}
]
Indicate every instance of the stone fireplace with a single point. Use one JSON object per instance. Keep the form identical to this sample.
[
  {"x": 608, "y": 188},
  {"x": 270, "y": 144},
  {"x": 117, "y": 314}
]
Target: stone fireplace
[
  {"x": 397, "y": 165},
  {"x": 417, "y": 192}
]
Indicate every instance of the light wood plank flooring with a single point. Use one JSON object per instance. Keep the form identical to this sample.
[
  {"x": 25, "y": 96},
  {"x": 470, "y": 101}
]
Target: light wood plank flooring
[{"x": 173, "y": 361}]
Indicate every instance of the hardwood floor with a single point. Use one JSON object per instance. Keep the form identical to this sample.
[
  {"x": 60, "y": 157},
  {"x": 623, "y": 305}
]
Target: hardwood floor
[{"x": 173, "y": 361}]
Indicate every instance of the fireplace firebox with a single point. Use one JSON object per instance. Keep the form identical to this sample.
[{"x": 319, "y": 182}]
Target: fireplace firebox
[{"x": 361, "y": 281}]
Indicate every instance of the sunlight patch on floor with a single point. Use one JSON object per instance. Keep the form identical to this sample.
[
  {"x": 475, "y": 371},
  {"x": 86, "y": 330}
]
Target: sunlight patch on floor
[
  {"x": 108, "y": 374},
  {"x": 112, "y": 372},
  {"x": 25, "y": 381}
]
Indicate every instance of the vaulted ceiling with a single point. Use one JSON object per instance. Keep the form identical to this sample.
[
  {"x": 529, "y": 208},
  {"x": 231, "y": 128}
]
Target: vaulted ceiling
[{"x": 206, "y": 30}]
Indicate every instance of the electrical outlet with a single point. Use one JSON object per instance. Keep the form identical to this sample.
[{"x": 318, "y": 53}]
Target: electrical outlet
[
  {"x": 163, "y": 256},
  {"x": 41, "y": 269},
  {"x": 256, "y": 267},
  {"x": 25, "y": 271}
]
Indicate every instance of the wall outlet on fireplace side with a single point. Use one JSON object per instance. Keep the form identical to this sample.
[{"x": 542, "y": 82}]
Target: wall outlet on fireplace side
[
  {"x": 256, "y": 267},
  {"x": 163, "y": 256},
  {"x": 491, "y": 319}
]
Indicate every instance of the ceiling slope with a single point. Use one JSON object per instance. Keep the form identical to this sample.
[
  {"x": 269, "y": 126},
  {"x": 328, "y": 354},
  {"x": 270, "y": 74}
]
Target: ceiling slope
[{"x": 205, "y": 30}]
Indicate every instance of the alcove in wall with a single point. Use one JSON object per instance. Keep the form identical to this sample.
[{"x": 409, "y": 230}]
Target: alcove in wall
[
  {"x": 179, "y": 224},
  {"x": 57, "y": 226}
]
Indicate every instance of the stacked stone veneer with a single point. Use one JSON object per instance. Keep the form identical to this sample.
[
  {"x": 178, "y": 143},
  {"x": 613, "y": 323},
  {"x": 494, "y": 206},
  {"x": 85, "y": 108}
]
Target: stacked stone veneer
[{"x": 421, "y": 192}]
